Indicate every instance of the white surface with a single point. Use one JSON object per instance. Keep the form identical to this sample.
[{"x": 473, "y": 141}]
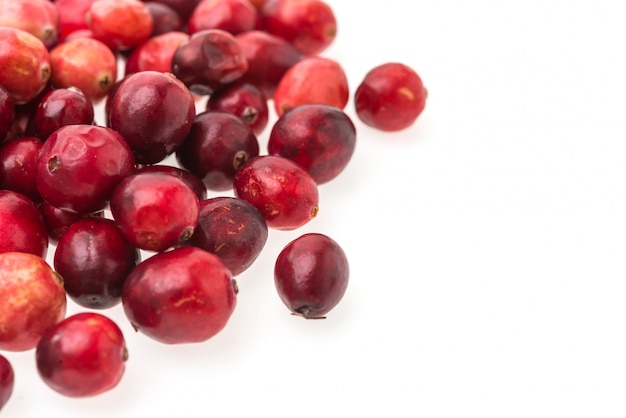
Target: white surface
[{"x": 486, "y": 242}]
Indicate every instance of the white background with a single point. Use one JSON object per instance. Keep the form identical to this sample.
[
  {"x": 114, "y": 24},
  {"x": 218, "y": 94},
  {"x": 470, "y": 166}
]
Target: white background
[{"x": 486, "y": 243}]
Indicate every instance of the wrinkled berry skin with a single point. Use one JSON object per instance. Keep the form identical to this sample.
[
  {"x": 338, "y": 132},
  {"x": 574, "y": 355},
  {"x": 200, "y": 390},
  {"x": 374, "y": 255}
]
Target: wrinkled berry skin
[
  {"x": 22, "y": 228},
  {"x": 284, "y": 193},
  {"x": 80, "y": 165},
  {"x": 94, "y": 258},
  {"x": 185, "y": 295},
  {"x": 7, "y": 381},
  {"x": 84, "y": 355},
  {"x": 311, "y": 275},
  {"x": 320, "y": 138},
  {"x": 231, "y": 228}
]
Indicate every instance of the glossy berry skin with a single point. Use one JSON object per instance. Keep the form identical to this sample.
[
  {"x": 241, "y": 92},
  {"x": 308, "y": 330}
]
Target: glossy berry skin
[
  {"x": 37, "y": 17},
  {"x": 284, "y": 193},
  {"x": 154, "y": 211},
  {"x": 18, "y": 164},
  {"x": 233, "y": 16},
  {"x": 155, "y": 54},
  {"x": 154, "y": 112},
  {"x": 22, "y": 228},
  {"x": 32, "y": 299},
  {"x": 72, "y": 16},
  {"x": 310, "y": 25},
  {"x": 164, "y": 18},
  {"x": 94, "y": 258},
  {"x": 187, "y": 177},
  {"x": 320, "y": 138},
  {"x": 231, "y": 228},
  {"x": 209, "y": 60},
  {"x": 7, "y": 381},
  {"x": 217, "y": 146},
  {"x": 82, "y": 356},
  {"x": 58, "y": 220},
  {"x": 79, "y": 165},
  {"x": 243, "y": 100},
  {"x": 120, "y": 24},
  {"x": 311, "y": 275},
  {"x": 390, "y": 97},
  {"x": 186, "y": 295},
  {"x": 313, "y": 79}
]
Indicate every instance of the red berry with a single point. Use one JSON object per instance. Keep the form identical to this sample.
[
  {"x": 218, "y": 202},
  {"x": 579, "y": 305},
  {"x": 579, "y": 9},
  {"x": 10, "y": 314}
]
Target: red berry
[
  {"x": 390, "y": 97},
  {"x": 120, "y": 24},
  {"x": 18, "y": 166},
  {"x": 164, "y": 18},
  {"x": 187, "y": 177},
  {"x": 32, "y": 299},
  {"x": 243, "y": 100},
  {"x": 7, "y": 381},
  {"x": 311, "y": 275},
  {"x": 22, "y": 228},
  {"x": 186, "y": 295},
  {"x": 59, "y": 220},
  {"x": 284, "y": 193},
  {"x": 7, "y": 113},
  {"x": 72, "y": 16},
  {"x": 233, "y": 16},
  {"x": 155, "y": 54},
  {"x": 83, "y": 355},
  {"x": 40, "y": 18}
]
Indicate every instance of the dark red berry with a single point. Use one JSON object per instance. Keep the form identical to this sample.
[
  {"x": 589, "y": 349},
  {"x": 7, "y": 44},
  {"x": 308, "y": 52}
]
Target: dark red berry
[
  {"x": 83, "y": 355},
  {"x": 186, "y": 295},
  {"x": 284, "y": 193},
  {"x": 7, "y": 381},
  {"x": 233, "y": 16},
  {"x": 94, "y": 258},
  {"x": 59, "y": 220},
  {"x": 320, "y": 138},
  {"x": 243, "y": 100},
  {"x": 164, "y": 18},
  {"x": 155, "y": 54},
  {"x": 18, "y": 166},
  {"x": 22, "y": 228},
  {"x": 311, "y": 275},
  {"x": 7, "y": 113},
  {"x": 189, "y": 178}
]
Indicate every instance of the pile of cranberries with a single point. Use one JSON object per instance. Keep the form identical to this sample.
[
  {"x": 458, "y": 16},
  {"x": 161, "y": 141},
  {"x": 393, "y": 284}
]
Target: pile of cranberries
[{"x": 165, "y": 242}]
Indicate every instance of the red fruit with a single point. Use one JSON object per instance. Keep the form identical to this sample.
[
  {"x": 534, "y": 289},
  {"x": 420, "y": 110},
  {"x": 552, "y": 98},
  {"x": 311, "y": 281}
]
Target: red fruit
[
  {"x": 390, "y": 97},
  {"x": 243, "y": 100},
  {"x": 7, "y": 381},
  {"x": 218, "y": 144},
  {"x": 268, "y": 57},
  {"x": 313, "y": 79},
  {"x": 184, "y": 8},
  {"x": 18, "y": 166},
  {"x": 155, "y": 54},
  {"x": 24, "y": 64},
  {"x": 164, "y": 18},
  {"x": 79, "y": 165},
  {"x": 120, "y": 24},
  {"x": 311, "y": 275},
  {"x": 58, "y": 220},
  {"x": 233, "y": 16},
  {"x": 209, "y": 60},
  {"x": 72, "y": 16},
  {"x": 83, "y": 355},
  {"x": 154, "y": 210},
  {"x": 7, "y": 113},
  {"x": 187, "y": 177},
  {"x": 284, "y": 193},
  {"x": 32, "y": 299},
  {"x": 22, "y": 228},
  {"x": 186, "y": 295},
  {"x": 40, "y": 18},
  {"x": 310, "y": 25},
  {"x": 94, "y": 258},
  {"x": 84, "y": 63},
  {"x": 231, "y": 228},
  {"x": 320, "y": 138},
  {"x": 154, "y": 112}
]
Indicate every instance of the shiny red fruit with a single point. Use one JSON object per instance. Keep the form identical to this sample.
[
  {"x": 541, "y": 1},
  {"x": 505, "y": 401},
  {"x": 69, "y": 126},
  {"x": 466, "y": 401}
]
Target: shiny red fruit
[
  {"x": 186, "y": 295},
  {"x": 18, "y": 166},
  {"x": 243, "y": 100},
  {"x": 120, "y": 24},
  {"x": 84, "y": 355},
  {"x": 233, "y": 16},
  {"x": 22, "y": 228},
  {"x": 37, "y": 17},
  {"x": 7, "y": 381}
]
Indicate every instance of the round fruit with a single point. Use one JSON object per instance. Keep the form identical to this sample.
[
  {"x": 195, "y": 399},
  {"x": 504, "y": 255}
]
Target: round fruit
[
  {"x": 83, "y": 355},
  {"x": 7, "y": 381},
  {"x": 185, "y": 295},
  {"x": 18, "y": 166},
  {"x": 22, "y": 228},
  {"x": 311, "y": 275},
  {"x": 37, "y": 17},
  {"x": 120, "y": 24},
  {"x": 32, "y": 299}
]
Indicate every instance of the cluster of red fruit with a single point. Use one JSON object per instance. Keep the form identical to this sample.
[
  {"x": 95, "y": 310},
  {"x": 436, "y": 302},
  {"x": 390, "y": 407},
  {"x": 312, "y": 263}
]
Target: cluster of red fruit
[{"x": 62, "y": 173}]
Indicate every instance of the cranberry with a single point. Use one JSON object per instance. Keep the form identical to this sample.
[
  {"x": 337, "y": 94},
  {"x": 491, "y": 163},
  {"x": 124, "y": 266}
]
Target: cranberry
[
  {"x": 191, "y": 180},
  {"x": 311, "y": 275},
  {"x": 184, "y": 8},
  {"x": 155, "y": 54},
  {"x": 60, "y": 107},
  {"x": 154, "y": 112},
  {"x": 79, "y": 165},
  {"x": 234, "y": 16},
  {"x": 154, "y": 210},
  {"x": 83, "y": 355},
  {"x": 310, "y": 25},
  {"x": 18, "y": 164},
  {"x": 25, "y": 64},
  {"x": 218, "y": 144},
  {"x": 94, "y": 258},
  {"x": 37, "y": 17},
  {"x": 22, "y": 228},
  {"x": 58, "y": 220},
  {"x": 186, "y": 295},
  {"x": 164, "y": 18},
  {"x": 84, "y": 63},
  {"x": 268, "y": 57},
  {"x": 209, "y": 60},
  {"x": 33, "y": 299},
  {"x": 313, "y": 79},
  {"x": 120, "y": 24},
  {"x": 390, "y": 97},
  {"x": 243, "y": 100},
  {"x": 7, "y": 381},
  {"x": 231, "y": 228},
  {"x": 7, "y": 113},
  {"x": 284, "y": 193},
  {"x": 72, "y": 16}
]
